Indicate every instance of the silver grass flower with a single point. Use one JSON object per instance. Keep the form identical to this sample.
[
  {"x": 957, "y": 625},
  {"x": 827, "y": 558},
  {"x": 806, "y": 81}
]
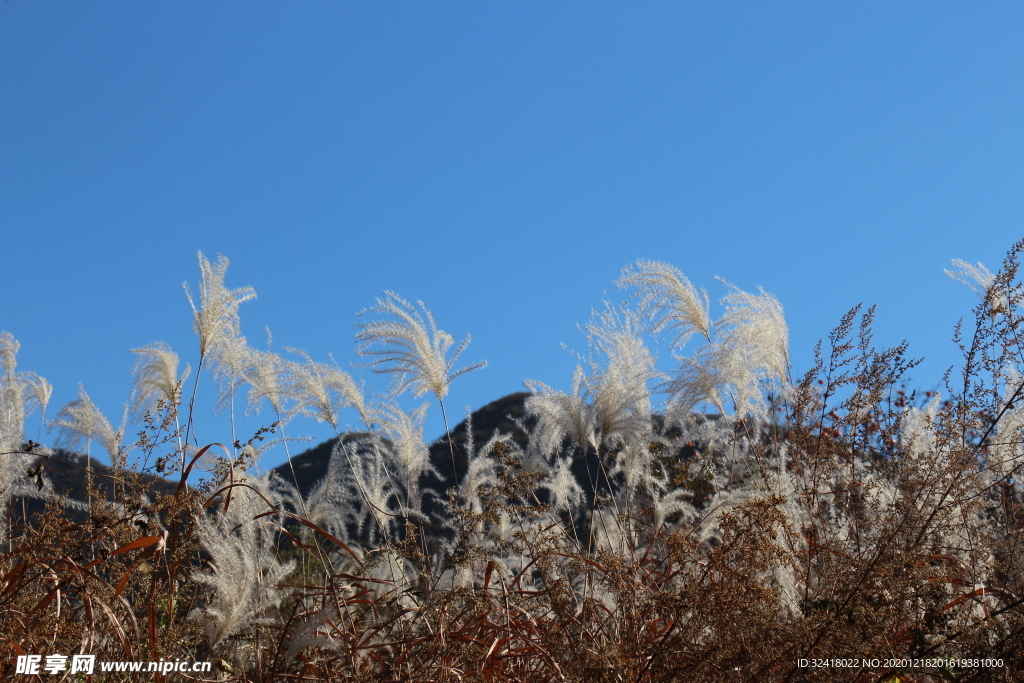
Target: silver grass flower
[
  {"x": 246, "y": 573},
  {"x": 318, "y": 630},
  {"x": 266, "y": 374},
  {"x": 398, "y": 574},
  {"x": 879, "y": 493},
  {"x": 673, "y": 503},
  {"x": 565, "y": 490},
  {"x": 81, "y": 422},
  {"x": 737, "y": 370},
  {"x": 20, "y": 393},
  {"x": 619, "y": 390},
  {"x": 635, "y": 463},
  {"x": 560, "y": 415},
  {"x": 917, "y": 436},
  {"x": 977, "y": 277},
  {"x": 750, "y": 348},
  {"x": 39, "y": 391},
  {"x": 231, "y": 361},
  {"x": 724, "y": 499},
  {"x": 612, "y": 533},
  {"x": 408, "y": 454},
  {"x": 744, "y": 350},
  {"x": 216, "y": 318},
  {"x": 9, "y": 348},
  {"x": 322, "y": 391},
  {"x": 12, "y": 399},
  {"x": 329, "y": 503},
  {"x": 699, "y": 379},
  {"x": 371, "y": 486},
  {"x": 981, "y": 280},
  {"x": 156, "y": 378},
  {"x": 756, "y": 325},
  {"x": 411, "y": 346},
  {"x": 611, "y": 405},
  {"x": 669, "y": 300},
  {"x": 483, "y": 471},
  {"x": 30, "y": 391},
  {"x": 1005, "y": 458}
]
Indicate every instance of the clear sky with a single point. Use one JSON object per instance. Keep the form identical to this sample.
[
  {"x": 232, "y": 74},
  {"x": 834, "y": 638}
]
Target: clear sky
[{"x": 501, "y": 161}]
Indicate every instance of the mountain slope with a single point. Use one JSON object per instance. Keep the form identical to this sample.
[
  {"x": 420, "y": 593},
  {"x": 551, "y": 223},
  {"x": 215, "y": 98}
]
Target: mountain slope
[{"x": 497, "y": 416}]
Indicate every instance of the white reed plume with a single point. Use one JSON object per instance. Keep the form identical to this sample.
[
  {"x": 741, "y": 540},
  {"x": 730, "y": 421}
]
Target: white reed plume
[
  {"x": 231, "y": 362},
  {"x": 217, "y": 324},
  {"x": 20, "y": 392},
  {"x": 81, "y": 422},
  {"x": 756, "y": 324},
  {"x": 672, "y": 503},
  {"x": 320, "y": 630},
  {"x": 978, "y": 278},
  {"x": 636, "y": 463},
  {"x": 409, "y": 453},
  {"x": 670, "y": 301},
  {"x": 612, "y": 532},
  {"x": 411, "y": 346},
  {"x": 918, "y": 436},
  {"x": 560, "y": 415},
  {"x": 156, "y": 378},
  {"x": 12, "y": 397},
  {"x": 369, "y": 479},
  {"x": 619, "y": 390},
  {"x": 245, "y": 572},
  {"x": 752, "y": 347},
  {"x": 611, "y": 405},
  {"x": 981, "y": 280},
  {"x": 698, "y": 379},
  {"x": 329, "y": 503},
  {"x": 216, "y": 319},
  {"x": 9, "y": 348},
  {"x": 39, "y": 392},
  {"x": 1005, "y": 458},
  {"x": 13, "y": 463},
  {"x": 483, "y": 471},
  {"x": 267, "y": 375},
  {"x": 30, "y": 390},
  {"x": 565, "y": 490},
  {"x": 323, "y": 391}
]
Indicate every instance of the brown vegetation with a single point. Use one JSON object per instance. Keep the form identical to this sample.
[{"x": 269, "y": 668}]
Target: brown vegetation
[{"x": 834, "y": 517}]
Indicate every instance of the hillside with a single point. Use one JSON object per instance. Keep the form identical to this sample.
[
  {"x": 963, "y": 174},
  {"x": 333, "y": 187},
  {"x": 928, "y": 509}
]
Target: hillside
[
  {"x": 497, "y": 416},
  {"x": 65, "y": 472}
]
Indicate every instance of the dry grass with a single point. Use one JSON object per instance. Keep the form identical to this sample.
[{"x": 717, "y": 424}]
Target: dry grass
[{"x": 854, "y": 522}]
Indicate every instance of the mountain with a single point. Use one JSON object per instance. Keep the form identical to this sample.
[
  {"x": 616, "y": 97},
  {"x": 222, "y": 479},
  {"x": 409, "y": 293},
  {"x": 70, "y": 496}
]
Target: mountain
[
  {"x": 497, "y": 416},
  {"x": 66, "y": 473}
]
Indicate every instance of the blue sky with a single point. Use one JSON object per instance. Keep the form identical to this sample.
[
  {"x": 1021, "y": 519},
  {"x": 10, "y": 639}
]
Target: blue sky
[{"x": 500, "y": 161}]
